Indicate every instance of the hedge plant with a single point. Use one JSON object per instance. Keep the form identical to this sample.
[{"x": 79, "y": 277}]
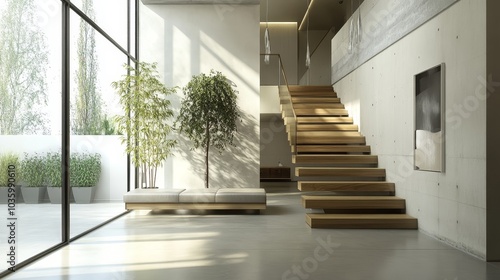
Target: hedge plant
[
  {"x": 33, "y": 169},
  {"x": 6, "y": 160},
  {"x": 85, "y": 169}
]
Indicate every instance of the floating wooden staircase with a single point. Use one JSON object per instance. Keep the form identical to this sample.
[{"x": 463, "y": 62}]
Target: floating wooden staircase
[{"x": 334, "y": 162}]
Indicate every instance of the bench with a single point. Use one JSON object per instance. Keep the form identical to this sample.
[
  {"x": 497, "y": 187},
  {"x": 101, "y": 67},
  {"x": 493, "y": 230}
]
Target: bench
[{"x": 196, "y": 199}]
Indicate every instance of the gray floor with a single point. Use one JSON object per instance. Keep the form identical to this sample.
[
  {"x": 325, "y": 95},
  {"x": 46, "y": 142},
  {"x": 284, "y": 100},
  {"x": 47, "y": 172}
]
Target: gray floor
[{"x": 274, "y": 245}]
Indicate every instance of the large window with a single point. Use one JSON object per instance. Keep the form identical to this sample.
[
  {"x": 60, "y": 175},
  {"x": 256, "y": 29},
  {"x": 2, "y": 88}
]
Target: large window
[
  {"x": 38, "y": 78},
  {"x": 95, "y": 64}
]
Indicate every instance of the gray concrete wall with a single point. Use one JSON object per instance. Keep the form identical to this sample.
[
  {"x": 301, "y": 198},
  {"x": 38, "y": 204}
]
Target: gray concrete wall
[
  {"x": 383, "y": 22},
  {"x": 379, "y": 94}
]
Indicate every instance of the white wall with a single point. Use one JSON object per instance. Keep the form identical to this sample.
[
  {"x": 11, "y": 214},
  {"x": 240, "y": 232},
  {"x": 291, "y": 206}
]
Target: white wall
[
  {"x": 187, "y": 40},
  {"x": 379, "y": 94},
  {"x": 270, "y": 100}
]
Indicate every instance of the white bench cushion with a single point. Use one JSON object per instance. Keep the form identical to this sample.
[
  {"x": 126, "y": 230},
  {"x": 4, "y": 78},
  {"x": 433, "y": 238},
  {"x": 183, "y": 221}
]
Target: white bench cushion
[
  {"x": 235, "y": 195},
  {"x": 152, "y": 196},
  {"x": 198, "y": 196}
]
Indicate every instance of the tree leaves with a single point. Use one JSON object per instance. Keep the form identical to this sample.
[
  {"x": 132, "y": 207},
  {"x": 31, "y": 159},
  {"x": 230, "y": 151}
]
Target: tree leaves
[
  {"x": 209, "y": 113},
  {"x": 23, "y": 64},
  {"x": 146, "y": 118},
  {"x": 88, "y": 116}
]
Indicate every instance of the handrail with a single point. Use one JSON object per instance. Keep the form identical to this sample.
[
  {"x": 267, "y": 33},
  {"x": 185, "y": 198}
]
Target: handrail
[{"x": 288, "y": 105}]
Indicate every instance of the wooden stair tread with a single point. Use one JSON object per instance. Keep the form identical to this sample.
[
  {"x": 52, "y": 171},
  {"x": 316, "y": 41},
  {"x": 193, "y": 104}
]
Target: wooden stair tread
[
  {"x": 328, "y": 133},
  {"x": 353, "y": 202},
  {"x": 321, "y": 112},
  {"x": 336, "y": 120},
  {"x": 346, "y": 186},
  {"x": 318, "y": 93},
  {"x": 335, "y": 159},
  {"x": 351, "y": 197},
  {"x": 340, "y": 172},
  {"x": 310, "y": 88},
  {"x": 362, "y": 221},
  {"x": 327, "y": 127},
  {"x": 310, "y": 99},
  {"x": 311, "y": 139},
  {"x": 319, "y": 105},
  {"x": 303, "y": 149},
  {"x": 360, "y": 216}
]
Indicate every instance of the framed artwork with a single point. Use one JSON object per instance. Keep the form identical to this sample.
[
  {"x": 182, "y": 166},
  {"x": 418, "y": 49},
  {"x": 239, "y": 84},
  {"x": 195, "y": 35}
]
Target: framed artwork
[{"x": 429, "y": 119}]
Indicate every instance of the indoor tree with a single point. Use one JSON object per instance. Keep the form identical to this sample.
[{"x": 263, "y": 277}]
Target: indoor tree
[
  {"x": 209, "y": 114},
  {"x": 145, "y": 122}
]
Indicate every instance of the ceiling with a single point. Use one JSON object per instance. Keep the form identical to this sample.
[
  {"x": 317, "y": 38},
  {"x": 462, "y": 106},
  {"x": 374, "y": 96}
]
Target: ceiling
[{"x": 323, "y": 14}]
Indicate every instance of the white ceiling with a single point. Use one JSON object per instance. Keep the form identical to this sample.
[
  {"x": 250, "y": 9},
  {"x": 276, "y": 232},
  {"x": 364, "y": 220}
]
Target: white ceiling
[
  {"x": 323, "y": 14},
  {"x": 195, "y": 2}
]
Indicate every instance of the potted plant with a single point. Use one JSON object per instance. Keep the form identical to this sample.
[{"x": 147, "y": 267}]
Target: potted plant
[
  {"x": 209, "y": 114},
  {"x": 54, "y": 177},
  {"x": 33, "y": 170},
  {"x": 9, "y": 173},
  {"x": 85, "y": 171},
  {"x": 146, "y": 119}
]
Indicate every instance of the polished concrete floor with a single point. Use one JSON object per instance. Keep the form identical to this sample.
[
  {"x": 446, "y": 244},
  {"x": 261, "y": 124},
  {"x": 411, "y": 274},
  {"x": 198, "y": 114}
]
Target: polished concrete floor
[
  {"x": 277, "y": 244},
  {"x": 39, "y": 225}
]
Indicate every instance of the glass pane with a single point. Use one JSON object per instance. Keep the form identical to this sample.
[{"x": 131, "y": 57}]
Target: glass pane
[
  {"x": 132, "y": 28},
  {"x": 98, "y": 163},
  {"x": 30, "y": 127},
  {"x": 110, "y": 15}
]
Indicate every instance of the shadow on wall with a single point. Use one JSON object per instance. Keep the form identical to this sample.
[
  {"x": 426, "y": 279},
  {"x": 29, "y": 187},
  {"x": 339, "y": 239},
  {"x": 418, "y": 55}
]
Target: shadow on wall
[{"x": 236, "y": 167}]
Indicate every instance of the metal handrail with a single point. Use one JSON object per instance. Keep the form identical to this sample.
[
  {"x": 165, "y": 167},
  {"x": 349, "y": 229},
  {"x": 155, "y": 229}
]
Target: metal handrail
[{"x": 288, "y": 96}]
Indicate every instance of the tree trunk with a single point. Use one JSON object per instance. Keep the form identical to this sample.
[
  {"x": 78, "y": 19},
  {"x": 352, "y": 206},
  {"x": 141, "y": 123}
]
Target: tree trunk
[{"x": 206, "y": 155}]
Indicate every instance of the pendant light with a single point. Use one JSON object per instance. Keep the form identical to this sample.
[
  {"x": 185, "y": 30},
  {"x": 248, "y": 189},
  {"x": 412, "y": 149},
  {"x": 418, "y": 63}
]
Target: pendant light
[{"x": 267, "y": 40}]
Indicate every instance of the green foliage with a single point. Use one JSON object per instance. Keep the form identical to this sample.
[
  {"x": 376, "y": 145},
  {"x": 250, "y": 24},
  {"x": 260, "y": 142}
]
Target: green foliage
[
  {"x": 23, "y": 66},
  {"x": 209, "y": 113},
  {"x": 108, "y": 126},
  {"x": 6, "y": 160},
  {"x": 33, "y": 169},
  {"x": 53, "y": 169},
  {"x": 146, "y": 119},
  {"x": 85, "y": 169},
  {"x": 88, "y": 119}
]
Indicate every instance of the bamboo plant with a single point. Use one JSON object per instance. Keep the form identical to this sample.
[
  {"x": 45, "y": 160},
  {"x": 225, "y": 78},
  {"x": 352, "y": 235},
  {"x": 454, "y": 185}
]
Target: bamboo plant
[{"x": 146, "y": 119}]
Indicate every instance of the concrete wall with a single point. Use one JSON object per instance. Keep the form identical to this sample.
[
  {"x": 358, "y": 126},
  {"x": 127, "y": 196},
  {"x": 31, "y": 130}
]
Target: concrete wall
[
  {"x": 319, "y": 72},
  {"x": 450, "y": 206},
  {"x": 187, "y": 40},
  {"x": 274, "y": 146},
  {"x": 383, "y": 22}
]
